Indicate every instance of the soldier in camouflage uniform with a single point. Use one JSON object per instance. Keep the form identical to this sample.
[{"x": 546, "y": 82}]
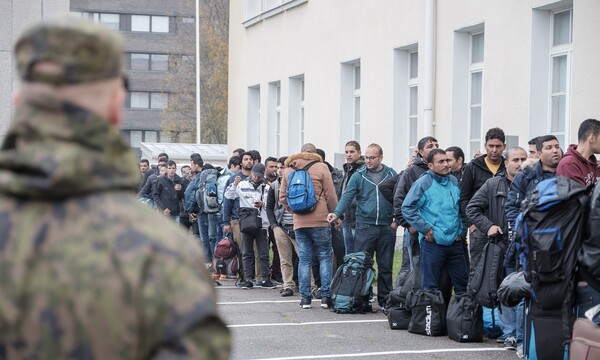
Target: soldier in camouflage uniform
[{"x": 86, "y": 272}]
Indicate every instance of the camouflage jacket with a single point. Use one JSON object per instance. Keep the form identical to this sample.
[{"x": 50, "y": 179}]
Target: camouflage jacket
[{"x": 87, "y": 272}]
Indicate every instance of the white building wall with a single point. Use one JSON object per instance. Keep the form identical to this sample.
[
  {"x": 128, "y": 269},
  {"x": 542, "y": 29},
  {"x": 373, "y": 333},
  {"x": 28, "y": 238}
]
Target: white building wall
[{"x": 316, "y": 37}]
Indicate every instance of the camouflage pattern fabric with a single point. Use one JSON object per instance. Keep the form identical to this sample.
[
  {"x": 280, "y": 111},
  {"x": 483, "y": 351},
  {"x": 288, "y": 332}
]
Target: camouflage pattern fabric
[
  {"x": 86, "y": 272},
  {"x": 85, "y": 51}
]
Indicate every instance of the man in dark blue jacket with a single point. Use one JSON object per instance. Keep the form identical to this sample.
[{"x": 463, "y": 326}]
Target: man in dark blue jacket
[
  {"x": 373, "y": 216},
  {"x": 168, "y": 192},
  {"x": 550, "y": 154}
]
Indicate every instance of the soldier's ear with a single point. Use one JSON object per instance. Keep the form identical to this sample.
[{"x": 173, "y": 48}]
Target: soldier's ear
[
  {"x": 115, "y": 114},
  {"x": 16, "y": 97}
]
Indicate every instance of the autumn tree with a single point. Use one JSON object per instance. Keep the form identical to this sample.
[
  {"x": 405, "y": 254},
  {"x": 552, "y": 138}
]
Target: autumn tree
[{"x": 179, "y": 119}]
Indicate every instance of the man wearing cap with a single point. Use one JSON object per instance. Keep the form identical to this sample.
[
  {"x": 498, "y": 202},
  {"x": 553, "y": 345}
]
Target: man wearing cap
[
  {"x": 252, "y": 193},
  {"x": 88, "y": 272}
]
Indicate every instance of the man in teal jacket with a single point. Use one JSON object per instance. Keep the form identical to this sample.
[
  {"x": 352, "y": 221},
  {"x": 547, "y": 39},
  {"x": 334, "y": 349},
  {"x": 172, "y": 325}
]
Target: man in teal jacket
[
  {"x": 431, "y": 207},
  {"x": 374, "y": 216}
]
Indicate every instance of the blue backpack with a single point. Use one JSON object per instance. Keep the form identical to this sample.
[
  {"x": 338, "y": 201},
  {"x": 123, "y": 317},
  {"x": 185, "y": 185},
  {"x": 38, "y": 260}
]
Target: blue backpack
[
  {"x": 300, "y": 190},
  {"x": 351, "y": 286}
]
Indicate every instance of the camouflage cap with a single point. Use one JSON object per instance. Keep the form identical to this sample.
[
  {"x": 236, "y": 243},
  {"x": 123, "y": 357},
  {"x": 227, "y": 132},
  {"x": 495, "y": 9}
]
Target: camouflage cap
[{"x": 85, "y": 51}]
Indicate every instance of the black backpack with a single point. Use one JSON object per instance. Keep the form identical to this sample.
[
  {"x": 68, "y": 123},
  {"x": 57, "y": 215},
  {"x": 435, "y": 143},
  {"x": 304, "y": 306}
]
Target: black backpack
[
  {"x": 488, "y": 273},
  {"x": 549, "y": 234}
]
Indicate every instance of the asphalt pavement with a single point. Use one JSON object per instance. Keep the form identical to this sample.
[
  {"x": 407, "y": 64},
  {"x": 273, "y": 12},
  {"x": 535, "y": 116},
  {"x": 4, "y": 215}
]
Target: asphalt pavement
[{"x": 265, "y": 325}]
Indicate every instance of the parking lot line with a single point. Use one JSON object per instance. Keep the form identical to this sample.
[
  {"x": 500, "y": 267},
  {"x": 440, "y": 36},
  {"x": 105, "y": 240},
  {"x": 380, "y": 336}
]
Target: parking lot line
[
  {"x": 307, "y": 323},
  {"x": 255, "y": 302},
  {"x": 383, "y": 353}
]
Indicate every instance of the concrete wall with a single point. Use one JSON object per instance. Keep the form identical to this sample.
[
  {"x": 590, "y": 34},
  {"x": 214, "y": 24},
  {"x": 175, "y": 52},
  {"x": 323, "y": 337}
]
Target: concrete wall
[{"x": 316, "y": 37}]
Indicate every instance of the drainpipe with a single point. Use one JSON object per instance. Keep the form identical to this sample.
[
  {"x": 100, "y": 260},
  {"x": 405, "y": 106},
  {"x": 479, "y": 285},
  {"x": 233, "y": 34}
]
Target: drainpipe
[{"x": 429, "y": 85}]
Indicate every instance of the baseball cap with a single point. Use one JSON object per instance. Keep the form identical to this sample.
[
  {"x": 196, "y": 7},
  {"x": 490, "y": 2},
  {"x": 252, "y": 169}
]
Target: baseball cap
[
  {"x": 258, "y": 170},
  {"x": 82, "y": 50}
]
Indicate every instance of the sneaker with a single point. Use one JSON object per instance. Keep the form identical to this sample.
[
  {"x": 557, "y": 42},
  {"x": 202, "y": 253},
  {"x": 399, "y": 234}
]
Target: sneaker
[
  {"x": 277, "y": 280},
  {"x": 287, "y": 292},
  {"x": 326, "y": 302},
  {"x": 246, "y": 285},
  {"x": 316, "y": 293},
  {"x": 266, "y": 284},
  {"x": 520, "y": 350},
  {"x": 510, "y": 343},
  {"x": 501, "y": 339},
  {"x": 305, "y": 303}
]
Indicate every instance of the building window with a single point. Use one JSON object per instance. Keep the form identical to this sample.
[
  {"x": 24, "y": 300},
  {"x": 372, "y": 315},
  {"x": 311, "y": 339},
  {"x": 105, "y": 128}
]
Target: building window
[
  {"x": 147, "y": 23},
  {"x": 274, "y": 119},
  {"x": 302, "y": 111},
  {"x": 475, "y": 91},
  {"x": 405, "y": 110},
  {"x": 135, "y": 138},
  {"x": 295, "y": 121},
  {"x": 560, "y": 66},
  {"x": 147, "y": 100},
  {"x": 188, "y": 20},
  {"x": 253, "y": 117},
  {"x": 257, "y": 10},
  {"x": 413, "y": 100},
  {"x": 356, "y": 107},
  {"x": 111, "y": 21},
  {"x": 149, "y": 62}
]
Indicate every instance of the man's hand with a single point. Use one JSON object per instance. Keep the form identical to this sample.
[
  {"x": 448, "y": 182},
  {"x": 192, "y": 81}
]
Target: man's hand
[
  {"x": 237, "y": 180},
  {"x": 166, "y": 211},
  {"x": 331, "y": 217},
  {"x": 494, "y": 230},
  {"x": 412, "y": 230},
  {"x": 337, "y": 223},
  {"x": 429, "y": 235},
  {"x": 472, "y": 228},
  {"x": 226, "y": 229},
  {"x": 394, "y": 225},
  {"x": 193, "y": 217}
]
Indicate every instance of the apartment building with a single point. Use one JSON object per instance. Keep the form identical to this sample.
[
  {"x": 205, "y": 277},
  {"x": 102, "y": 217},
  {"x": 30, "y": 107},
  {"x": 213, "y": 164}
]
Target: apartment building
[
  {"x": 392, "y": 71},
  {"x": 158, "y": 35}
]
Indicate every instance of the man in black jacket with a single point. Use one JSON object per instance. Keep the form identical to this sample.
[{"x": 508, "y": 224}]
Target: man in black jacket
[
  {"x": 168, "y": 192},
  {"x": 354, "y": 161},
  {"x": 486, "y": 212},
  {"x": 477, "y": 172},
  {"x": 409, "y": 176}
]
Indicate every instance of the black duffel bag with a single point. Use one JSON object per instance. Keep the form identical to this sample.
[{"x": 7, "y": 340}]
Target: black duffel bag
[
  {"x": 399, "y": 317},
  {"x": 464, "y": 319},
  {"x": 428, "y": 312},
  {"x": 250, "y": 220}
]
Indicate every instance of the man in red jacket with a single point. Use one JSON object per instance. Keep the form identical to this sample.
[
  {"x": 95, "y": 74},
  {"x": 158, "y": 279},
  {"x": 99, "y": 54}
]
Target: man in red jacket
[{"x": 579, "y": 163}]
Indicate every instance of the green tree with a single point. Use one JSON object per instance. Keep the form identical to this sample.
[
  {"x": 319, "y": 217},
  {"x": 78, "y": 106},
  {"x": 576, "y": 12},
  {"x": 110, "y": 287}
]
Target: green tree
[{"x": 179, "y": 119}]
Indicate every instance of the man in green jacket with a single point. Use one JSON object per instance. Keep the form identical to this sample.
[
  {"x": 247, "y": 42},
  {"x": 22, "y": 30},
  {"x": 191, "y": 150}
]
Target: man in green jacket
[
  {"x": 87, "y": 271},
  {"x": 374, "y": 216}
]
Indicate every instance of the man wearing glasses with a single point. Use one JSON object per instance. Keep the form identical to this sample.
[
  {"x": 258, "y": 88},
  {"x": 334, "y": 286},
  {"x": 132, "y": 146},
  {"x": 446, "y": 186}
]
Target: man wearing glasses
[{"x": 374, "y": 216}]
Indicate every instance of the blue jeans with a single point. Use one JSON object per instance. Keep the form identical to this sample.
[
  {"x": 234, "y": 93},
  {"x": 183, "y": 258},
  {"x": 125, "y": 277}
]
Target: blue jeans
[
  {"x": 219, "y": 219},
  {"x": 208, "y": 233},
  {"x": 586, "y": 297},
  {"x": 435, "y": 258},
  {"x": 379, "y": 239},
  {"x": 349, "y": 232},
  {"x": 320, "y": 239}
]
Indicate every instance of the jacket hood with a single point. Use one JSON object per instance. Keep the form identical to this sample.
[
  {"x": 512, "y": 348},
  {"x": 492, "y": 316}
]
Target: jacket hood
[
  {"x": 356, "y": 165},
  {"x": 572, "y": 151},
  {"x": 55, "y": 149},
  {"x": 301, "y": 159}
]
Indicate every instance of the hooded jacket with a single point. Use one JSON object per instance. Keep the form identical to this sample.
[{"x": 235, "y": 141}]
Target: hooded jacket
[
  {"x": 86, "y": 269},
  {"x": 486, "y": 207},
  {"x": 476, "y": 173},
  {"x": 165, "y": 196},
  {"x": 432, "y": 202},
  {"x": 405, "y": 182},
  {"x": 349, "y": 170},
  {"x": 323, "y": 185},
  {"x": 575, "y": 167},
  {"x": 371, "y": 206}
]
